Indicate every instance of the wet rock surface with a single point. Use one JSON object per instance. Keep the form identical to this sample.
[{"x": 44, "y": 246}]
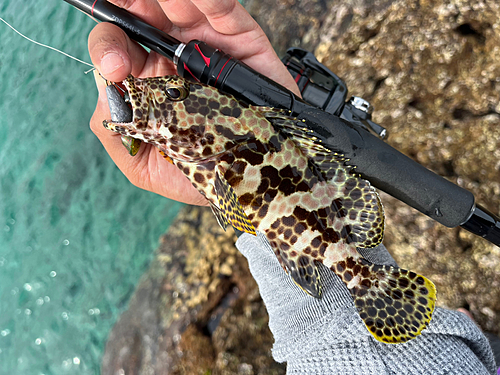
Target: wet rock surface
[{"x": 432, "y": 72}]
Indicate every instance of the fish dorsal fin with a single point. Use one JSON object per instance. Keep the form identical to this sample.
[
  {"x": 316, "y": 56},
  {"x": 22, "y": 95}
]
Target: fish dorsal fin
[
  {"x": 356, "y": 201},
  {"x": 325, "y": 159},
  {"x": 230, "y": 210}
]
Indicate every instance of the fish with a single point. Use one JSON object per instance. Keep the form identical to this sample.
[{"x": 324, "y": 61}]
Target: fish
[{"x": 262, "y": 170}]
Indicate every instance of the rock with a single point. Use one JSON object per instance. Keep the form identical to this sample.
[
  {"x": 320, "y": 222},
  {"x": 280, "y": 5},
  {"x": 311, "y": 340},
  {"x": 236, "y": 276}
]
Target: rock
[
  {"x": 290, "y": 23},
  {"x": 196, "y": 311}
]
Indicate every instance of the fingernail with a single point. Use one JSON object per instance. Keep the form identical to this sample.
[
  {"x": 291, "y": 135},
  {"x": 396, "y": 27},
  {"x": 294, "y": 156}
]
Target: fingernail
[{"x": 111, "y": 62}]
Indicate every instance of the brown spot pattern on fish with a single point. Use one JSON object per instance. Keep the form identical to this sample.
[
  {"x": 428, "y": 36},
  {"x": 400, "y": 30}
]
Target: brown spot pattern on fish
[{"x": 263, "y": 170}]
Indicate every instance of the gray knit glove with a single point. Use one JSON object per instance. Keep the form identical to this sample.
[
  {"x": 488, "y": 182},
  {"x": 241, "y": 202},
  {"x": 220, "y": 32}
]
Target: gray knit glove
[{"x": 327, "y": 336}]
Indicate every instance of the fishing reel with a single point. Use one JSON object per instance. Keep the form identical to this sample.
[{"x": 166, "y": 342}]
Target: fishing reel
[{"x": 323, "y": 89}]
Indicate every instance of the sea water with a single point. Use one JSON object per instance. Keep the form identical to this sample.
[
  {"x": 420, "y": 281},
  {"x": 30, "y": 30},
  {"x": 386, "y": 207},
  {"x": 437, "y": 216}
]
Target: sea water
[{"x": 75, "y": 235}]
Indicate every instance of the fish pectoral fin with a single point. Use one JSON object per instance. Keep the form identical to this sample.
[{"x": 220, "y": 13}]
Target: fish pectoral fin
[
  {"x": 221, "y": 219},
  {"x": 396, "y": 305},
  {"x": 230, "y": 209},
  {"x": 167, "y": 158}
]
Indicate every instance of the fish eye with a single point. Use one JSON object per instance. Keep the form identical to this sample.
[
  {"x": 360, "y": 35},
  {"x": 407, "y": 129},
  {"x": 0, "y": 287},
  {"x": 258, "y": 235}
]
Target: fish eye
[{"x": 176, "y": 93}]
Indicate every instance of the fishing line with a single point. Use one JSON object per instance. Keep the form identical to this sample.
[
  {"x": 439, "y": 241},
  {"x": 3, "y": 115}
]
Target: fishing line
[{"x": 49, "y": 47}]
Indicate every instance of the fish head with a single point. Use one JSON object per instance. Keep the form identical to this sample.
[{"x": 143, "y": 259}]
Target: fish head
[{"x": 188, "y": 121}]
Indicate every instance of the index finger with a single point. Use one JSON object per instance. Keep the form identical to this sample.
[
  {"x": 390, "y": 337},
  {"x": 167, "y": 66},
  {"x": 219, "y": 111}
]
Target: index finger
[
  {"x": 225, "y": 24},
  {"x": 227, "y": 17}
]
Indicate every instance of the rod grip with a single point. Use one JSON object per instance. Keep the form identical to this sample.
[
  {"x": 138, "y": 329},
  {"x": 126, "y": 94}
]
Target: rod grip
[{"x": 391, "y": 171}]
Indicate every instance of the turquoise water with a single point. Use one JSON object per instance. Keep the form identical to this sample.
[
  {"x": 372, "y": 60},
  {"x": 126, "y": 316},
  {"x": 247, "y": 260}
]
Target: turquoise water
[{"x": 75, "y": 236}]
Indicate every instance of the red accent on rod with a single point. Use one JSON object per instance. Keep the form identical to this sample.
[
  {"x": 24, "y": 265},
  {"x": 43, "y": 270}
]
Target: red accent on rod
[
  {"x": 299, "y": 75},
  {"x": 221, "y": 71},
  {"x": 206, "y": 59},
  {"x": 192, "y": 75},
  {"x": 92, "y": 10},
  {"x": 305, "y": 86}
]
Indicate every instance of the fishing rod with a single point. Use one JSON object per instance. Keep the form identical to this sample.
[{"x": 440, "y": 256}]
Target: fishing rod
[{"x": 342, "y": 127}]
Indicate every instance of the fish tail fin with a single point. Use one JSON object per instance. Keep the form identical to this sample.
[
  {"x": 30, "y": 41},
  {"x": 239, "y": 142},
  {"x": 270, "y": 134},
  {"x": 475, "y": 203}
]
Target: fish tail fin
[{"x": 396, "y": 305}]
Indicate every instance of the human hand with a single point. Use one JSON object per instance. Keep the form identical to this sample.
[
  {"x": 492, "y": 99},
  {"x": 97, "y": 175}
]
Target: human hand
[{"x": 222, "y": 24}]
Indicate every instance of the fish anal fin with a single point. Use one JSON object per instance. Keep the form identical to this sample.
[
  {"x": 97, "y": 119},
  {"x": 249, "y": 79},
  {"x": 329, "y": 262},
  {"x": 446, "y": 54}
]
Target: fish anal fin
[
  {"x": 307, "y": 279},
  {"x": 301, "y": 267},
  {"x": 230, "y": 208},
  {"x": 396, "y": 305}
]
